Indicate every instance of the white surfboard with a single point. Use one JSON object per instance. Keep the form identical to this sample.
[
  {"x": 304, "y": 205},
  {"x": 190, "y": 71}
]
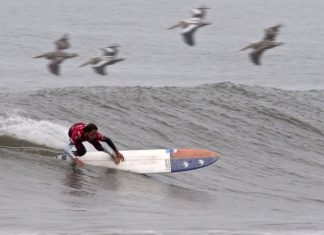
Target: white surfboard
[{"x": 151, "y": 161}]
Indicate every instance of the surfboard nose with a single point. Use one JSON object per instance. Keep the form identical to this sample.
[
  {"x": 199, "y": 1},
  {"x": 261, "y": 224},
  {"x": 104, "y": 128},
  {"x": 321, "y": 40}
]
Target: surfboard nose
[{"x": 189, "y": 159}]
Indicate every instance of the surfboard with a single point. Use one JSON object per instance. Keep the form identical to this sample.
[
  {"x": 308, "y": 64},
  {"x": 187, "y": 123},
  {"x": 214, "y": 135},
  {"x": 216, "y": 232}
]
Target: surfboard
[{"x": 151, "y": 161}]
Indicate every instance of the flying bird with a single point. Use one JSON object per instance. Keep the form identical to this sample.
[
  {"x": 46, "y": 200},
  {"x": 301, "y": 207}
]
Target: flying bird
[
  {"x": 268, "y": 41},
  {"x": 189, "y": 27},
  {"x": 99, "y": 63},
  {"x": 56, "y": 58}
]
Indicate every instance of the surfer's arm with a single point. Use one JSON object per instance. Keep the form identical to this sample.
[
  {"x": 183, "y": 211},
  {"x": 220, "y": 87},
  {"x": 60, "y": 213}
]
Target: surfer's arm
[
  {"x": 110, "y": 143},
  {"x": 68, "y": 150}
]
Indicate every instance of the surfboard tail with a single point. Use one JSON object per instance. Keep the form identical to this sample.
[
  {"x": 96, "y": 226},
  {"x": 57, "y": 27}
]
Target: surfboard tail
[{"x": 190, "y": 159}]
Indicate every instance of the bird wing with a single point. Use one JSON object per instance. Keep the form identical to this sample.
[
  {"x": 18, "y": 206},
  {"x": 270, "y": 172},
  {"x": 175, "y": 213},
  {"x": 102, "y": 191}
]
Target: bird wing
[
  {"x": 100, "y": 66},
  {"x": 255, "y": 55},
  {"x": 54, "y": 67},
  {"x": 113, "y": 61},
  {"x": 86, "y": 63},
  {"x": 247, "y": 47},
  {"x": 175, "y": 26},
  {"x": 93, "y": 60},
  {"x": 188, "y": 34},
  {"x": 39, "y": 56},
  {"x": 100, "y": 70},
  {"x": 272, "y": 32}
]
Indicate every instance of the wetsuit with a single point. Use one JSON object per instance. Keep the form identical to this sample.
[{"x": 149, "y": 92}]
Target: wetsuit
[{"x": 76, "y": 134}]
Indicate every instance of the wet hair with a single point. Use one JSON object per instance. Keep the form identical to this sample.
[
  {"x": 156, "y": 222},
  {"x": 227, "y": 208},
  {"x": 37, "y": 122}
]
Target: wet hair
[{"x": 90, "y": 127}]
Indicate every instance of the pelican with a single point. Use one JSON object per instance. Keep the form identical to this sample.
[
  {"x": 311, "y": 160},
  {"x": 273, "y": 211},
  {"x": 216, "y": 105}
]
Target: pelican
[
  {"x": 56, "y": 58},
  {"x": 266, "y": 43},
  {"x": 62, "y": 43},
  {"x": 189, "y": 27},
  {"x": 110, "y": 51},
  {"x": 99, "y": 63}
]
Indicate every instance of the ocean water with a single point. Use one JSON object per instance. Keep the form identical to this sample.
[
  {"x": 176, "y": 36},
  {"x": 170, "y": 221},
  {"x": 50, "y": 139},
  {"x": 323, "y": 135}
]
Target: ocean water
[{"x": 266, "y": 121}]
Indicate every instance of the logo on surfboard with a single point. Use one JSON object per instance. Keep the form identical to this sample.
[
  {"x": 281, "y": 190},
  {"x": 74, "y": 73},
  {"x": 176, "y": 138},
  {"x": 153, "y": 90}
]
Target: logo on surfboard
[
  {"x": 185, "y": 164},
  {"x": 201, "y": 162}
]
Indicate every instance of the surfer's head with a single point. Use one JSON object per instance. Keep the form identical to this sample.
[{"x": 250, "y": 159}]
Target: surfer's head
[{"x": 90, "y": 131}]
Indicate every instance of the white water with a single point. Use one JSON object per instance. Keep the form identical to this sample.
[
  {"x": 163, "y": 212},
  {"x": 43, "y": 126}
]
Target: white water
[{"x": 36, "y": 131}]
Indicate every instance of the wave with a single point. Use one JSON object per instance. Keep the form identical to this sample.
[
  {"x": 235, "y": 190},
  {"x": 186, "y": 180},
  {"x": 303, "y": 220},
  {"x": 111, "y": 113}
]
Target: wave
[
  {"x": 17, "y": 130},
  {"x": 177, "y": 116}
]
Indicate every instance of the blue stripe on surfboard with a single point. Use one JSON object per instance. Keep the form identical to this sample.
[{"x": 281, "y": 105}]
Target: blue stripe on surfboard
[{"x": 191, "y": 163}]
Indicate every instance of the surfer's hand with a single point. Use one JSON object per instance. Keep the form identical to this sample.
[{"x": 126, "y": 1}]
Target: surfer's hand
[
  {"x": 78, "y": 162},
  {"x": 118, "y": 157}
]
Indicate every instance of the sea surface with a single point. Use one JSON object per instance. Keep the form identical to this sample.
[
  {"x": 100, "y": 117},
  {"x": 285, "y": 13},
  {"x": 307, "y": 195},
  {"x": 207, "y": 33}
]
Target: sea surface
[{"x": 266, "y": 121}]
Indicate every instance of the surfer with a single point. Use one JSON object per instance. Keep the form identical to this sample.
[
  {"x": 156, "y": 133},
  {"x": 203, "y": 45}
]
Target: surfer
[{"x": 81, "y": 132}]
